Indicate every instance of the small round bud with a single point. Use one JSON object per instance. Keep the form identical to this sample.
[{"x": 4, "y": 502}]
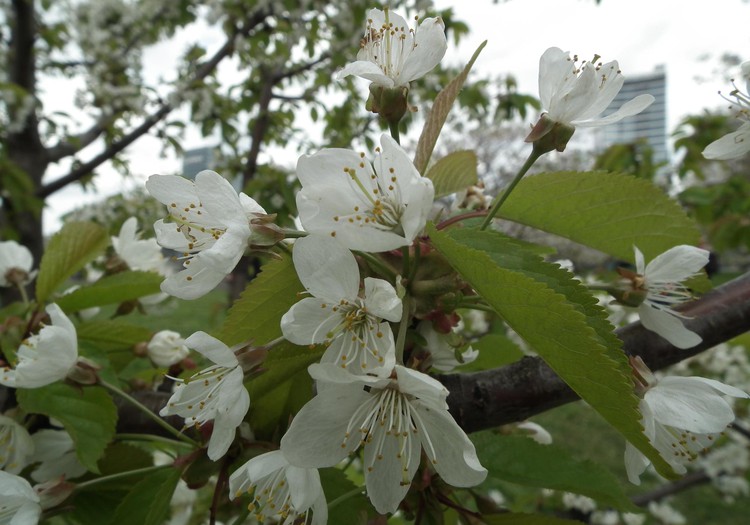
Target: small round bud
[{"x": 167, "y": 348}]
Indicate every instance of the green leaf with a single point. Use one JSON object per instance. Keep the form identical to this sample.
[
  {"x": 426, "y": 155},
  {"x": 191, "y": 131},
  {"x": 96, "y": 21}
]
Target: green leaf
[
  {"x": 283, "y": 388},
  {"x": 557, "y": 316},
  {"x": 88, "y": 414},
  {"x": 112, "y": 335},
  {"x": 522, "y": 460},
  {"x": 495, "y": 350},
  {"x": 257, "y": 313},
  {"x": 439, "y": 112},
  {"x": 512, "y": 518},
  {"x": 117, "y": 288},
  {"x": 68, "y": 251},
  {"x": 353, "y": 509},
  {"x": 611, "y": 212},
  {"x": 453, "y": 173},
  {"x": 148, "y": 502}
]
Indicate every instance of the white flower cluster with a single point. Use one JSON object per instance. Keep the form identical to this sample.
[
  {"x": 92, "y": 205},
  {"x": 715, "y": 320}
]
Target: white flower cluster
[{"x": 736, "y": 144}]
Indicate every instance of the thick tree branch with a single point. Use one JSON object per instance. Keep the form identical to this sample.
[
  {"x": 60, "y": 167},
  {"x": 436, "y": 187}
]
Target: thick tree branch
[
  {"x": 691, "y": 479},
  {"x": 164, "y": 109},
  {"x": 518, "y": 391},
  {"x": 71, "y": 145}
]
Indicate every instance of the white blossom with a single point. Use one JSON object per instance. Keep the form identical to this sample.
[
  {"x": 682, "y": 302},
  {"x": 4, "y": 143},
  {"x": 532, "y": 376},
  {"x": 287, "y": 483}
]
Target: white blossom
[
  {"x": 16, "y": 262},
  {"x": 393, "y": 419},
  {"x": 575, "y": 95},
  {"x": 665, "y": 513},
  {"x": 443, "y": 353},
  {"x": 19, "y": 503},
  {"x": 216, "y": 393},
  {"x": 280, "y": 491},
  {"x": 16, "y": 445},
  {"x": 735, "y": 144},
  {"x": 45, "y": 357},
  {"x": 56, "y": 453},
  {"x": 680, "y": 416},
  {"x": 369, "y": 208},
  {"x": 392, "y": 54},
  {"x": 167, "y": 348},
  {"x": 209, "y": 224},
  {"x": 661, "y": 279},
  {"x": 353, "y": 324}
]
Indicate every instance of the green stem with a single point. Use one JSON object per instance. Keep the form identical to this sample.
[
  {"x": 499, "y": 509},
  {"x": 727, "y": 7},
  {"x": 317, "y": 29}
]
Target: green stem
[
  {"x": 242, "y": 517},
  {"x": 406, "y": 260},
  {"x": 533, "y": 156},
  {"x": 22, "y": 291},
  {"x": 293, "y": 234},
  {"x": 119, "y": 475},
  {"x": 151, "y": 437},
  {"x": 476, "y": 306},
  {"x": 343, "y": 498},
  {"x": 154, "y": 417},
  {"x": 380, "y": 266},
  {"x": 402, "y": 327},
  {"x": 393, "y": 126}
]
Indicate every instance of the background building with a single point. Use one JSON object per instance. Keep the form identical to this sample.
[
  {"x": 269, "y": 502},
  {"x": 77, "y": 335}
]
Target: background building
[{"x": 650, "y": 124}]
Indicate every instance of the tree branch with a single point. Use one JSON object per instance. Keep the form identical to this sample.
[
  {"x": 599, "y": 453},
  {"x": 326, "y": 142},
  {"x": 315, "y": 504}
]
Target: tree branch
[
  {"x": 518, "y": 391},
  {"x": 74, "y": 144},
  {"x": 691, "y": 479},
  {"x": 164, "y": 109}
]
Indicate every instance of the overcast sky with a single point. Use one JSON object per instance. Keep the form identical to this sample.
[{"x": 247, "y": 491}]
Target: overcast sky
[{"x": 686, "y": 36}]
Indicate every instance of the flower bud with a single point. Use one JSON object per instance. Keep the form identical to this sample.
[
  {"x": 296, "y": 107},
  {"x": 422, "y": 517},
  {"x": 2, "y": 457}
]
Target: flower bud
[
  {"x": 389, "y": 103},
  {"x": 167, "y": 348}
]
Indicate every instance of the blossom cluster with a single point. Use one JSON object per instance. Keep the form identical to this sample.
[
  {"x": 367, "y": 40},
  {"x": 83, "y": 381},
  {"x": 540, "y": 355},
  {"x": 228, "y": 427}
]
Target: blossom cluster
[{"x": 362, "y": 223}]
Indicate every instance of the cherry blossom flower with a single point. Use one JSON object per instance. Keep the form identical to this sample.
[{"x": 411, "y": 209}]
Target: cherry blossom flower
[
  {"x": 443, "y": 353},
  {"x": 209, "y": 223},
  {"x": 215, "y": 393},
  {"x": 45, "y": 357},
  {"x": 575, "y": 95},
  {"x": 392, "y": 54},
  {"x": 16, "y": 262},
  {"x": 369, "y": 209},
  {"x": 56, "y": 453},
  {"x": 393, "y": 418},
  {"x": 139, "y": 254},
  {"x": 681, "y": 416},
  {"x": 279, "y": 490},
  {"x": 349, "y": 322},
  {"x": 661, "y": 280},
  {"x": 19, "y": 503},
  {"x": 16, "y": 445},
  {"x": 735, "y": 144},
  {"x": 167, "y": 348}
]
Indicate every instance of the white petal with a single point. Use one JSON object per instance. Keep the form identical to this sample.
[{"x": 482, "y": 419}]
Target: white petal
[
  {"x": 609, "y": 82},
  {"x": 635, "y": 463},
  {"x": 430, "y": 46},
  {"x": 367, "y": 70},
  {"x": 317, "y": 433},
  {"x": 219, "y": 198},
  {"x": 688, "y": 404},
  {"x": 387, "y": 483},
  {"x": 428, "y": 389},
  {"x": 628, "y": 109},
  {"x": 326, "y": 268},
  {"x": 716, "y": 385},
  {"x": 668, "y": 326},
  {"x": 730, "y": 146},
  {"x": 307, "y": 322},
  {"x": 381, "y": 299},
  {"x": 328, "y": 374},
  {"x": 554, "y": 66},
  {"x": 250, "y": 206},
  {"x": 234, "y": 405},
  {"x": 640, "y": 264},
  {"x": 304, "y": 486},
  {"x": 171, "y": 188},
  {"x": 449, "y": 449},
  {"x": 212, "y": 349},
  {"x": 676, "y": 264}
]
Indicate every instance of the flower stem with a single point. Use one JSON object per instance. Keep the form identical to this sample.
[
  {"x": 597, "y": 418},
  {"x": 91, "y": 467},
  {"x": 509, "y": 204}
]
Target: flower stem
[
  {"x": 380, "y": 266},
  {"x": 344, "y": 497},
  {"x": 533, "y": 156},
  {"x": 293, "y": 234},
  {"x": 113, "y": 477},
  {"x": 154, "y": 417},
  {"x": 151, "y": 437},
  {"x": 402, "y": 327},
  {"x": 393, "y": 126}
]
